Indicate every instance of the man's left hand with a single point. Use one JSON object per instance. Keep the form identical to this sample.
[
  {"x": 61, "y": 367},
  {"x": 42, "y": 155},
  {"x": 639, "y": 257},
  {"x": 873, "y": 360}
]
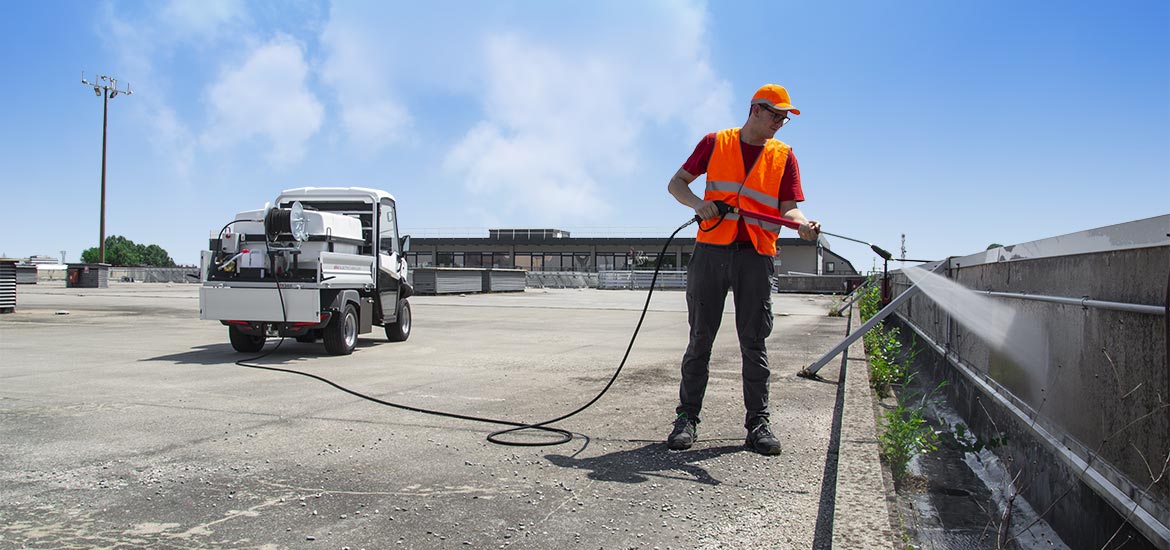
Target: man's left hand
[{"x": 809, "y": 230}]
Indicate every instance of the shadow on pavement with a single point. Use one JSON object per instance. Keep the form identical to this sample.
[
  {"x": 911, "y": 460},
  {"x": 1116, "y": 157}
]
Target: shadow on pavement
[
  {"x": 290, "y": 351},
  {"x": 651, "y": 460}
]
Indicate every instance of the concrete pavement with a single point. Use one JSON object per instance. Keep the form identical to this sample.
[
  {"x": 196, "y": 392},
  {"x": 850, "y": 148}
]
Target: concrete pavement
[{"x": 126, "y": 424}]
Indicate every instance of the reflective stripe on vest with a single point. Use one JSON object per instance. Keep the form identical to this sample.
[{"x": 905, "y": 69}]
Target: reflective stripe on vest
[{"x": 757, "y": 190}]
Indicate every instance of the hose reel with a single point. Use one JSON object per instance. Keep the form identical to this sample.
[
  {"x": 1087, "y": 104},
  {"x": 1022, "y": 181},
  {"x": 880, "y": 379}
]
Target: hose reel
[{"x": 286, "y": 221}]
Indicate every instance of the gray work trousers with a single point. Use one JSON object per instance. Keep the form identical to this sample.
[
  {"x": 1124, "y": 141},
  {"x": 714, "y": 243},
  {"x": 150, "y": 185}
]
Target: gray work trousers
[{"x": 712, "y": 271}]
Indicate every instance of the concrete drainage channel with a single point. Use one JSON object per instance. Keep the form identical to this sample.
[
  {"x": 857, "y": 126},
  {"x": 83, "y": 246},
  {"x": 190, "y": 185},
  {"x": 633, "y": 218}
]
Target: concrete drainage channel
[{"x": 960, "y": 497}]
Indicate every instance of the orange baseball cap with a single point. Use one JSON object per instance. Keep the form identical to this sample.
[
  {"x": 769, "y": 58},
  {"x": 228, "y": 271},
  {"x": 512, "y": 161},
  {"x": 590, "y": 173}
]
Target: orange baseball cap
[{"x": 775, "y": 97}]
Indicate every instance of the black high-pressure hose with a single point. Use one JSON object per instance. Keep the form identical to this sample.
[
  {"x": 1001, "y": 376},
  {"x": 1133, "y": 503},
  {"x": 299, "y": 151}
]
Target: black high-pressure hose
[{"x": 565, "y": 435}]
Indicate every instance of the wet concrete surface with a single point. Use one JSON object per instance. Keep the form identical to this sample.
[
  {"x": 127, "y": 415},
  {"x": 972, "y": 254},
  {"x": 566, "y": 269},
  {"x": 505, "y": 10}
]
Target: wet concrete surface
[
  {"x": 961, "y": 495},
  {"x": 126, "y": 424}
]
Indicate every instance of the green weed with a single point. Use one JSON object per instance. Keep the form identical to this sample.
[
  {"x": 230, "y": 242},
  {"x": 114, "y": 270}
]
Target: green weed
[
  {"x": 887, "y": 366},
  {"x": 871, "y": 301},
  {"x": 905, "y": 433}
]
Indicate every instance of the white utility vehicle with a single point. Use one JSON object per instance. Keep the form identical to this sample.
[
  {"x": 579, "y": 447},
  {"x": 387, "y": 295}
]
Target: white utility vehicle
[{"x": 324, "y": 263}]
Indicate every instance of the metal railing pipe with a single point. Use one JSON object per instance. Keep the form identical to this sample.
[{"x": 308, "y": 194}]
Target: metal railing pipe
[
  {"x": 853, "y": 297},
  {"x": 1083, "y": 302},
  {"x": 812, "y": 369}
]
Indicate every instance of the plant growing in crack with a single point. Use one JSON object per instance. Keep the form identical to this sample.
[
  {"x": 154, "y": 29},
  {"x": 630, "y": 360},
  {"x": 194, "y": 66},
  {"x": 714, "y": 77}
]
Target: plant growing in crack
[{"x": 905, "y": 432}]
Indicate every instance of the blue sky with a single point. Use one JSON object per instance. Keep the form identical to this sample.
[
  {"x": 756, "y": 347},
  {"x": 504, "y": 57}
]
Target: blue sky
[{"x": 957, "y": 124}]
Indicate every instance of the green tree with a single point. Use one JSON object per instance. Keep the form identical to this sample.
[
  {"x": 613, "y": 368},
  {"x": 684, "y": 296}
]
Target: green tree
[
  {"x": 154, "y": 255},
  {"x": 994, "y": 245},
  {"x": 124, "y": 252}
]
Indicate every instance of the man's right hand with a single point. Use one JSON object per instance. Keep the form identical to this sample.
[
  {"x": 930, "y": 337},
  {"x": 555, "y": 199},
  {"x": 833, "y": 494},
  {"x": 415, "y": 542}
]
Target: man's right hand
[{"x": 707, "y": 210}]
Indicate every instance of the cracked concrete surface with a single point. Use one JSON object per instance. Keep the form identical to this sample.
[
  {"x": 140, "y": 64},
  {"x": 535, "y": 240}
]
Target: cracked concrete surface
[{"x": 126, "y": 424}]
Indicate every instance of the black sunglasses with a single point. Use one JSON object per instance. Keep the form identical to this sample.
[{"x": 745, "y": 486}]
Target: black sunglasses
[{"x": 777, "y": 116}]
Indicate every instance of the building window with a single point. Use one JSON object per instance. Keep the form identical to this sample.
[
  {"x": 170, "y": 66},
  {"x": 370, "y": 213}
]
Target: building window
[
  {"x": 610, "y": 261},
  {"x": 830, "y": 266},
  {"x": 530, "y": 261},
  {"x": 581, "y": 261},
  {"x": 450, "y": 259},
  {"x": 645, "y": 260},
  {"x": 388, "y": 229},
  {"x": 418, "y": 259}
]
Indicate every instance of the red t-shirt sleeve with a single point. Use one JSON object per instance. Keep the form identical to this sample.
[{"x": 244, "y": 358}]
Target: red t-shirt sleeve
[
  {"x": 790, "y": 189},
  {"x": 696, "y": 165}
]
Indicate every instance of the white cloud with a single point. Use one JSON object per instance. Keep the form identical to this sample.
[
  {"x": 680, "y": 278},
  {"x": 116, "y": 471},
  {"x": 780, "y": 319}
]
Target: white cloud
[
  {"x": 359, "y": 70},
  {"x": 567, "y": 121},
  {"x": 554, "y": 128},
  {"x": 266, "y": 97},
  {"x": 142, "y": 43},
  {"x": 170, "y": 134},
  {"x": 539, "y": 176},
  {"x": 201, "y": 21},
  {"x": 573, "y": 97},
  {"x": 554, "y": 109}
]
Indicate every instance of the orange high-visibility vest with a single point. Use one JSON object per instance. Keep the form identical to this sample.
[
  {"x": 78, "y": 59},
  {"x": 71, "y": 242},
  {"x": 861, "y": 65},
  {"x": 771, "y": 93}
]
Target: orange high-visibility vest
[{"x": 758, "y": 191}]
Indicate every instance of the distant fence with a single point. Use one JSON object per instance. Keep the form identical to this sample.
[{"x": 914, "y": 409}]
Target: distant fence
[
  {"x": 154, "y": 274},
  {"x": 677, "y": 280},
  {"x": 48, "y": 275},
  {"x": 561, "y": 279},
  {"x": 609, "y": 280},
  {"x": 133, "y": 274}
]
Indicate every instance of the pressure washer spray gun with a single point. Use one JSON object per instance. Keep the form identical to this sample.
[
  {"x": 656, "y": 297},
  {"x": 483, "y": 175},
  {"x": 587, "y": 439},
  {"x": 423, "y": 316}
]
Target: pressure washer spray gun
[{"x": 725, "y": 209}]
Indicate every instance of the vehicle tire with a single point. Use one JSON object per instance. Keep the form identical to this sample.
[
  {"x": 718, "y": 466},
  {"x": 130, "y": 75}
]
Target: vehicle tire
[
  {"x": 245, "y": 343},
  {"x": 399, "y": 330},
  {"x": 341, "y": 333}
]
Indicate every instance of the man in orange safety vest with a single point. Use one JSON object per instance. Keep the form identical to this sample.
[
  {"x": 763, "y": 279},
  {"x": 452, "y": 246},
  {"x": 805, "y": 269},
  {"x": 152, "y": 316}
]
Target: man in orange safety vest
[{"x": 746, "y": 168}]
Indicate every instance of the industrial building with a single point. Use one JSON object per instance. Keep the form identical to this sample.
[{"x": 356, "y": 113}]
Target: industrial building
[{"x": 556, "y": 250}]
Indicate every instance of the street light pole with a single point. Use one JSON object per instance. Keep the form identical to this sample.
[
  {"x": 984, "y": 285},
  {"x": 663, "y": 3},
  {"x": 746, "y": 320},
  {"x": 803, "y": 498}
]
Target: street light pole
[{"x": 107, "y": 88}]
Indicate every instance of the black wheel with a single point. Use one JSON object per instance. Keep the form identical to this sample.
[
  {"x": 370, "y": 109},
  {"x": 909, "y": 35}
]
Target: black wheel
[
  {"x": 245, "y": 343},
  {"x": 341, "y": 333},
  {"x": 399, "y": 330}
]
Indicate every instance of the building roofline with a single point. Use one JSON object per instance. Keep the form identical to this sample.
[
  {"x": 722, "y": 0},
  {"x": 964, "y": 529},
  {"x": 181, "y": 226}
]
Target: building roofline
[{"x": 577, "y": 241}]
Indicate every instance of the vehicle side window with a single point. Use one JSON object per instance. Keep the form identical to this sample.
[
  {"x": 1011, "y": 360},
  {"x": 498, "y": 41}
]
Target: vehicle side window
[{"x": 387, "y": 229}]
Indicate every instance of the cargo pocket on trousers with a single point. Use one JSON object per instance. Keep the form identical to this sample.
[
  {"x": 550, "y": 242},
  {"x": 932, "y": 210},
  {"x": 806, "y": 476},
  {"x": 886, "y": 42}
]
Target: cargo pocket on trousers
[{"x": 766, "y": 322}]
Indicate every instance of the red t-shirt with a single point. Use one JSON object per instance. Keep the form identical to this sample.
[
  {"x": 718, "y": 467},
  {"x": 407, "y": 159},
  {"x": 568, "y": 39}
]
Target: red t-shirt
[{"x": 790, "y": 189}]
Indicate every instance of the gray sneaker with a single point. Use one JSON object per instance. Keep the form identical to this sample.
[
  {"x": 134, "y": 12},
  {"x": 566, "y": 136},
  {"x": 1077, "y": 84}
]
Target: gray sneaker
[
  {"x": 761, "y": 440},
  {"x": 685, "y": 432}
]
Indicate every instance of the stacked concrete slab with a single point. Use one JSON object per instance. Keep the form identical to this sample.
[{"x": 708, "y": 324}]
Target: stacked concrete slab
[{"x": 7, "y": 285}]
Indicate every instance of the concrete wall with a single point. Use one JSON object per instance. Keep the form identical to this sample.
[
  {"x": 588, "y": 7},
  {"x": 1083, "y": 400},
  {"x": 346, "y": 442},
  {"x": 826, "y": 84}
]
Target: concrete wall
[
  {"x": 823, "y": 284},
  {"x": 1089, "y": 428},
  {"x": 135, "y": 274},
  {"x": 155, "y": 274}
]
